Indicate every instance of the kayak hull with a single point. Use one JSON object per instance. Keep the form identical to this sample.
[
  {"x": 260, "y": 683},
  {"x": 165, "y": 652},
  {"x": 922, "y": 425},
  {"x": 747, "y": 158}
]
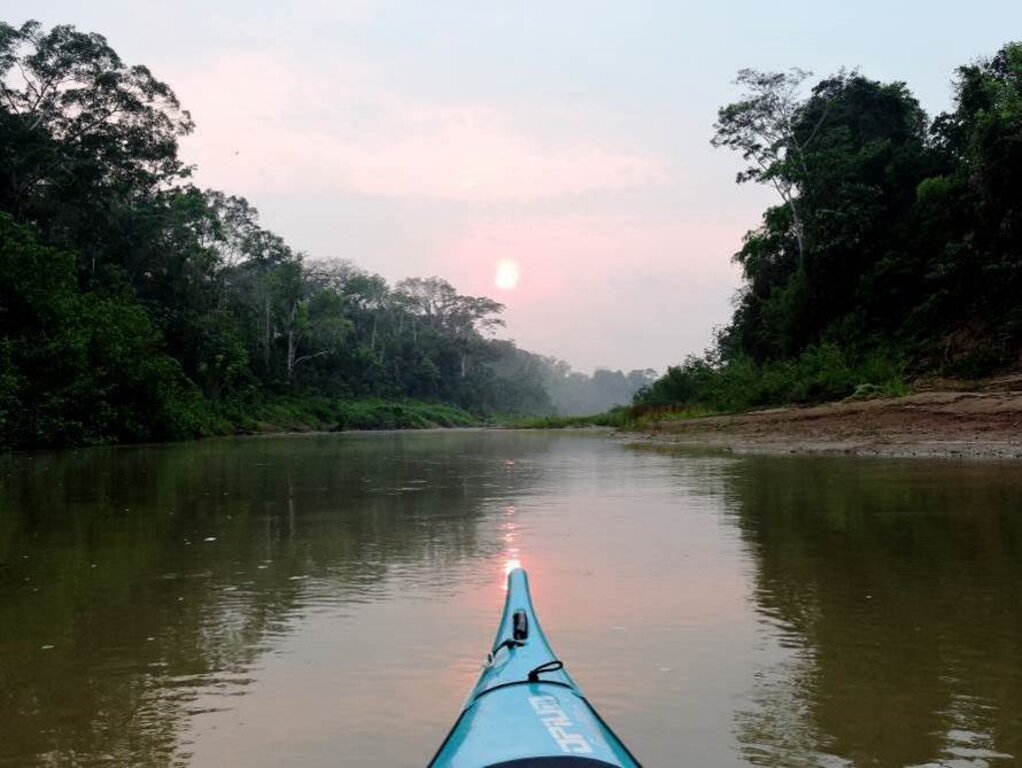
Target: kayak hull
[{"x": 525, "y": 709}]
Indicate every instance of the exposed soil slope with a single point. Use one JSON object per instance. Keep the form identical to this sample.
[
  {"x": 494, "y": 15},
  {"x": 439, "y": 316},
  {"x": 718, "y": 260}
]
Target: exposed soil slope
[{"x": 984, "y": 422}]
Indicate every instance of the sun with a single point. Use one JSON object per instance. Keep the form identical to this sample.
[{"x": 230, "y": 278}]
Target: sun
[{"x": 506, "y": 278}]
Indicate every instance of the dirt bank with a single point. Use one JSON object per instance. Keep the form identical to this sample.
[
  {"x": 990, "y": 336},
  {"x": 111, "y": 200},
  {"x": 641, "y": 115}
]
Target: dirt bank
[{"x": 983, "y": 423}]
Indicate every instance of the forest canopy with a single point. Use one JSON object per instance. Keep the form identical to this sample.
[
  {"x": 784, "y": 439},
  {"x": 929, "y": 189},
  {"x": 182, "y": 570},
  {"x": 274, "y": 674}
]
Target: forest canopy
[
  {"x": 136, "y": 306},
  {"x": 895, "y": 249}
]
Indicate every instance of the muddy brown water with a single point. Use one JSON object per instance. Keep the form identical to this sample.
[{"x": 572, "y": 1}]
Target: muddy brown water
[{"x": 326, "y": 600}]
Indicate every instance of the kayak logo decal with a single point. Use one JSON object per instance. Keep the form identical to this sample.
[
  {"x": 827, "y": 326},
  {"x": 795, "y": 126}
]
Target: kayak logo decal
[{"x": 558, "y": 725}]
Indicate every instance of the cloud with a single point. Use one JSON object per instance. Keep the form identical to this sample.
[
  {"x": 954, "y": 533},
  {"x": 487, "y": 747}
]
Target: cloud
[{"x": 266, "y": 125}]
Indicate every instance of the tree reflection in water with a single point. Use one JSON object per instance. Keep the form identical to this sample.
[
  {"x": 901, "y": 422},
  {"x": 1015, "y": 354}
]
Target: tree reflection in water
[
  {"x": 897, "y": 585},
  {"x": 159, "y": 575}
]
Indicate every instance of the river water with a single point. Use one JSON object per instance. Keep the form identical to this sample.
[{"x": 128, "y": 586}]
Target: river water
[{"x": 326, "y": 600}]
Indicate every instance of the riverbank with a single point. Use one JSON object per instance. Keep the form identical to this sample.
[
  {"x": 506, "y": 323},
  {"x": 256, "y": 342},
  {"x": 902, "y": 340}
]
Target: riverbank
[
  {"x": 324, "y": 414},
  {"x": 984, "y": 422}
]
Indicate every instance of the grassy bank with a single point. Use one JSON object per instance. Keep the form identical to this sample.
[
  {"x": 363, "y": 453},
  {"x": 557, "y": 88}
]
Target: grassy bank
[
  {"x": 618, "y": 418},
  {"x": 310, "y": 413},
  {"x": 631, "y": 418},
  {"x": 820, "y": 374},
  {"x": 702, "y": 387}
]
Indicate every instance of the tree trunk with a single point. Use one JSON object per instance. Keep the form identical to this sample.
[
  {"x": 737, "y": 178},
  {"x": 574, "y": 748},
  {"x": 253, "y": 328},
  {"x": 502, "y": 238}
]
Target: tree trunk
[
  {"x": 266, "y": 334},
  {"x": 292, "y": 344},
  {"x": 796, "y": 220}
]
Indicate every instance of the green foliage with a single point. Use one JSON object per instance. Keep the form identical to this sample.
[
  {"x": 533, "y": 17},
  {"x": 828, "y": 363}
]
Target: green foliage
[
  {"x": 302, "y": 413},
  {"x": 619, "y": 418},
  {"x": 79, "y": 368},
  {"x": 818, "y": 374},
  {"x": 376, "y": 414},
  {"x": 898, "y": 245},
  {"x": 80, "y": 131},
  {"x": 134, "y": 306}
]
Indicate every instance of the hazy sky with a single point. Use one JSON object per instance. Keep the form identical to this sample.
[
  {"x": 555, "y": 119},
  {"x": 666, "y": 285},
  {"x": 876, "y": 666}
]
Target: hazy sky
[{"x": 439, "y": 137}]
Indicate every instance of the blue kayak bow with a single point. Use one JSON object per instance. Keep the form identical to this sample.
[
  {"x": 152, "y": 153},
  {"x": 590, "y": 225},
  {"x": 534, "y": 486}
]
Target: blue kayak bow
[{"x": 526, "y": 711}]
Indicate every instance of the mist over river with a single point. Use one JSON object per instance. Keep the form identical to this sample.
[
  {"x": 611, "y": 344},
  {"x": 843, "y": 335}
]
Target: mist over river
[{"x": 326, "y": 600}]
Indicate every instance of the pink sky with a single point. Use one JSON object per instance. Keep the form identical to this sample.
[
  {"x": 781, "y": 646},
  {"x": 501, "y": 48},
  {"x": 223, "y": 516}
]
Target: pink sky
[
  {"x": 420, "y": 139},
  {"x": 599, "y": 284},
  {"x": 286, "y": 132},
  {"x": 602, "y": 284}
]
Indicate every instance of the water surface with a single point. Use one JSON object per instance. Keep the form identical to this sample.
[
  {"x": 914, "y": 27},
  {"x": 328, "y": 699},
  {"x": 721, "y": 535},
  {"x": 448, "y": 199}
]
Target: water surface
[{"x": 326, "y": 600}]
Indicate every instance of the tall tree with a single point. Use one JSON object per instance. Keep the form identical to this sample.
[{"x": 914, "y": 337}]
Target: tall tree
[
  {"x": 761, "y": 126},
  {"x": 76, "y": 123},
  {"x": 860, "y": 149}
]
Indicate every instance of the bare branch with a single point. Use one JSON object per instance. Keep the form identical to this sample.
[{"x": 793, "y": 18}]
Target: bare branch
[{"x": 313, "y": 356}]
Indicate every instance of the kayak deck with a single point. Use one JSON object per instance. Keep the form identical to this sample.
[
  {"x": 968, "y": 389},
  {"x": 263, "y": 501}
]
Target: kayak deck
[{"x": 526, "y": 711}]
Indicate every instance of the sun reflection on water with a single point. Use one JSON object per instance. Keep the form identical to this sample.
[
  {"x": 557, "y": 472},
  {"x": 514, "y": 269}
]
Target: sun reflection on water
[{"x": 511, "y": 556}]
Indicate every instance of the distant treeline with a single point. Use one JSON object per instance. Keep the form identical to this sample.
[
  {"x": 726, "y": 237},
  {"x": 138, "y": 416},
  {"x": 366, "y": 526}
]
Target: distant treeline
[
  {"x": 135, "y": 306},
  {"x": 896, "y": 248},
  {"x": 574, "y": 393}
]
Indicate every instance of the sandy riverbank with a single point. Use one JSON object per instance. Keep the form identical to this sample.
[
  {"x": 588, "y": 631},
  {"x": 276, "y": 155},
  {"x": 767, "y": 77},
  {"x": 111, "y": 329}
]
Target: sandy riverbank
[{"x": 984, "y": 423}]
